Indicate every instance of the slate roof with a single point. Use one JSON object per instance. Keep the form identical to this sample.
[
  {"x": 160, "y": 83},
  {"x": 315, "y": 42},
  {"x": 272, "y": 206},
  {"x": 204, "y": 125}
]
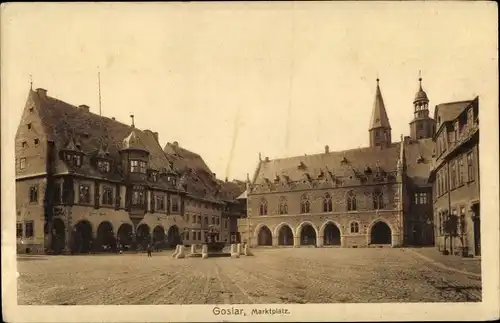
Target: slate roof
[
  {"x": 379, "y": 114},
  {"x": 449, "y": 111},
  {"x": 315, "y": 165},
  {"x": 231, "y": 190},
  {"x": 418, "y": 155},
  {"x": 67, "y": 124},
  {"x": 200, "y": 180},
  {"x": 421, "y": 95}
]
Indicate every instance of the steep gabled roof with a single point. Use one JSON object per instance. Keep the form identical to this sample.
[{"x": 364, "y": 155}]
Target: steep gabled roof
[
  {"x": 65, "y": 123},
  {"x": 200, "y": 180},
  {"x": 418, "y": 155},
  {"x": 338, "y": 163},
  {"x": 379, "y": 114},
  {"x": 449, "y": 111}
]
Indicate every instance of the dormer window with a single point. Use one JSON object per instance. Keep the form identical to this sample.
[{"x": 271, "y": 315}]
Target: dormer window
[
  {"x": 104, "y": 166},
  {"x": 77, "y": 160},
  {"x": 154, "y": 176},
  {"x": 470, "y": 116},
  {"x": 138, "y": 166}
]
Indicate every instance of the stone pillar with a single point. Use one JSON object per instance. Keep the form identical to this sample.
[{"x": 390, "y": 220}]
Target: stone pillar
[
  {"x": 204, "y": 251},
  {"x": 275, "y": 241},
  {"x": 342, "y": 241},
  {"x": 296, "y": 242},
  {"x": 181, "y": 254},
  {"x": 246, "y": 250},
  {"x": 67, "y": 239},
  {"x": 395, "y": 240},
  {"x": 234, "y": 251},
  {"x": 319, "y": 241},
  {"x": 193, "y": 248},
  {"x": 176, "y": 250},
  {"x": 238, "y": 249}
]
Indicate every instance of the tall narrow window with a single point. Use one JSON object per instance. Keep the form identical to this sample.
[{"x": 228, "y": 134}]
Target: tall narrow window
[
  {"x": 304, "y": 204},
  {"x": 29, "y": 229},
  {"x": 351, "y": 201},
  {"x": 19, "y": 230},
  {"x": 107, "y": 196},
  {"x": 453, "y": 175},
  {"x": 470, "y": 167},
  {"x": 327, "y": 203},
  {"x": 206, "y": 221},
  {"x": 22, "y": 163},
  {"x": 378, "y": 199},
  {"x": 84, "y": 193},
  {"x": 263, "y": 207},
  {"x": 174, "y": 202},
  {"x": 57, "y": 193},
  {"x": 283, "y": 207},
  {"x": 160, "y": 203},
  {"x": 138, "y": 199},
  {"x": 34, "y": 194},
  {"x": 461, "y": 170},
  {"x": 77, "y": 160}
]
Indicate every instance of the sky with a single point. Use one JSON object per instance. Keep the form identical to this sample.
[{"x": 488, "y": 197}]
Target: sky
[{"x": 232, "y": 80}]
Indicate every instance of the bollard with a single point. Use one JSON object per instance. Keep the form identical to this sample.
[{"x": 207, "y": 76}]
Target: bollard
[
  {"x": 204, "y": 251},
  {"x": 176, "y": 251},
  {"x": 193, "y": 249},
  {"x": 181, "y": 253},
  {"x": 246, "y": 251},
  {"x": 234, "y": 251},
  {"x": 239, "y": 251}
]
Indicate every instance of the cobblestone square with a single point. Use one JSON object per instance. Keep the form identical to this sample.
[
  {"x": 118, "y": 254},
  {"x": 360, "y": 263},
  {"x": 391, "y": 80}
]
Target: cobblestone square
[{"x": 286, "y": 275}]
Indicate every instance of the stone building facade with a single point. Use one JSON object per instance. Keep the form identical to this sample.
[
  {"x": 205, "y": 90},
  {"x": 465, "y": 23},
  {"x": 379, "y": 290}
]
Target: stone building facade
[
  {"x": 377, "y": 195},
  {"x": 455, "y": 178},
  {"x": 86, "y": 182}
]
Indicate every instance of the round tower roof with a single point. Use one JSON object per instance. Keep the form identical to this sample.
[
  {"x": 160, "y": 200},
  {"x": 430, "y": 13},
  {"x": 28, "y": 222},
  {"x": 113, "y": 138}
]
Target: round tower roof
[{"x": 421, "y": 95}]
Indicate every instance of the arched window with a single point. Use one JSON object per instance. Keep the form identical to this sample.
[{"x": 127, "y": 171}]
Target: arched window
[
  {"x": 354, "y": 227},
  {"x": 263, "y": 207},
  {"x": 305, "y": 206},
  {"x": 283, "y": 207},
  {"x": 351, "y": 201},
  {"x": 327, "y": 203},
  {"x": 378, "y": 199}
]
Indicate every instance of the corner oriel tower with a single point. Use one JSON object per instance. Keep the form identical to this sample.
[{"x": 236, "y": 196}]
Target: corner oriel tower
[
  {"x": 422, "y": 126},
  {"x": 380, "y": 128}
]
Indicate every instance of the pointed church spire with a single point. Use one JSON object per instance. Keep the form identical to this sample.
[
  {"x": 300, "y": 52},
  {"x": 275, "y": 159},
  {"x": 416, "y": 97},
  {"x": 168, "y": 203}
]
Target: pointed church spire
[{"x": 379, "y": 114}]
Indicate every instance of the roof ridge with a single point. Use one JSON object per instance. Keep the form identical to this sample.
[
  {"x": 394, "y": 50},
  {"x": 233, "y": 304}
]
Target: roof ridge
[
  {"x": 454, "y": 102},
  {"x": 392, "y": 144}
]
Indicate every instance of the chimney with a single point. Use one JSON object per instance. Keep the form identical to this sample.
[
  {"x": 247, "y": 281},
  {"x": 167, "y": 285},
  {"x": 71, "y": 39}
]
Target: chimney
[
  {"x": 175, "y": 144},
  {"x": 327, "y": 149},
  {"x": 267, "y": 159},
  {"x": 226, "y": 179},
  {"x": 84, "y": 107},
  {"x": 156, "y": 136},
  {"x": 41, "y": 92},
  {"x": 113, "y": 118}
]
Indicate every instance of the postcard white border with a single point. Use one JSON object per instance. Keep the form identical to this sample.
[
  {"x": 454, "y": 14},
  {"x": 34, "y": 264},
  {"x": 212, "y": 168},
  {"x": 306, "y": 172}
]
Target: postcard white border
[{"x": 486, "y": 310}]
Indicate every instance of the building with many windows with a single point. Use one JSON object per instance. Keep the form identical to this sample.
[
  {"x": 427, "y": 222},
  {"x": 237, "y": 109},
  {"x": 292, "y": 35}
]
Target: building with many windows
[
  {"x": 455, "y": 178},
  {"x": 86, "y": 182},
  {"x": 377, "y": 195}
]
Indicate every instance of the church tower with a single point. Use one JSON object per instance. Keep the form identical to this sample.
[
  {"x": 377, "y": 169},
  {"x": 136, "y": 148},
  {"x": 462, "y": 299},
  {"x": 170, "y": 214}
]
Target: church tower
[
  {"x": 422, "y": 126},
  {"x": 380, "y": 129}
]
